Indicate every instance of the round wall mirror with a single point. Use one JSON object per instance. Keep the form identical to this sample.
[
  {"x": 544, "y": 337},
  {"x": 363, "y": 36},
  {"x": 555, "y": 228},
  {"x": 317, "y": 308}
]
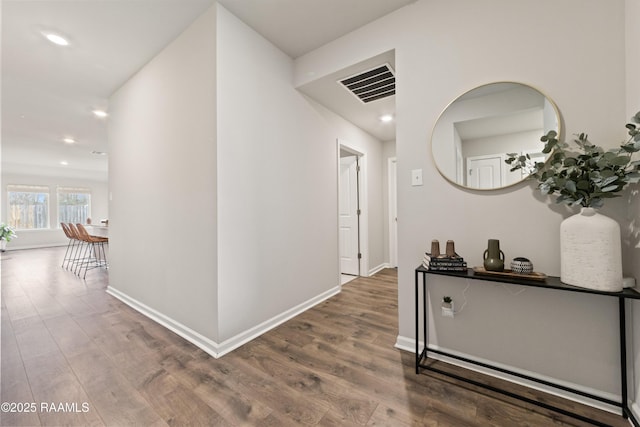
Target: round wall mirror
[{"x": 473, "y": 135}]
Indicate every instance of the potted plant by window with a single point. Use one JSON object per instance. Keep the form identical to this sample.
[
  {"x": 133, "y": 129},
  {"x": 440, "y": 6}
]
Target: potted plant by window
[
  {"x": 6, "y": 234},
  {"x": 589, "y": 242}
]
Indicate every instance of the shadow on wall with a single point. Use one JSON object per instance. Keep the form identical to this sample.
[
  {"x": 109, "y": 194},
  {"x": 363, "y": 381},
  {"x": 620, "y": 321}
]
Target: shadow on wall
[{"x": 631, "y": 238}]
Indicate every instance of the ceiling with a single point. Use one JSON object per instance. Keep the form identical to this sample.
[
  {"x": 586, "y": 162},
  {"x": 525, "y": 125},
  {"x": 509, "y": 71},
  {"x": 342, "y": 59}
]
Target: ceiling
[
  {"x": 50, "y": 91},
  {"x": 300, "y": 26},
  {"x": 328, "y": 92}
]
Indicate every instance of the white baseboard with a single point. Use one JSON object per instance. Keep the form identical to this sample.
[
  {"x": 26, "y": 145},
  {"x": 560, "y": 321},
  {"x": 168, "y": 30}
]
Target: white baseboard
[
  {"x": 379, "y": 268},
  {"x": 409, "y": 344},
  {"x": 635, "y": 409},
  {"x": 209, "y": 346},
  {"x": 204, "y": 343},
  {"x": 246, "y": 336}
]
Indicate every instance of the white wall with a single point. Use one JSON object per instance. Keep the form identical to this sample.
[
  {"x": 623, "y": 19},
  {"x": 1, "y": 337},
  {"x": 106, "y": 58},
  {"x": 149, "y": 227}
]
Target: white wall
[
  {"x": 373, "y": 247},
  {"x": 162, "y": 173},
  {"x": 527, "y": 142},
  {"x": 54, "y": 236},
  {"x": 388, "y": 152},
  {"x": 441, "y": 53},
  {"x": 277, "y": 185},
  {"x": 224, "y": 217},
  {"x": 631, "y": 233}
]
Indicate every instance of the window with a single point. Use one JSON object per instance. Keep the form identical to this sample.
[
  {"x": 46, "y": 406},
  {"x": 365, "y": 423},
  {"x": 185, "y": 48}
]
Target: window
[
  {"x": 74, "y": 205},
  {"x": 28, "y": 206}
]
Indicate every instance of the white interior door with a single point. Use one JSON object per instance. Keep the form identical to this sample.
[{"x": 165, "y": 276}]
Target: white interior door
[
  {"x": 393, "y": 214},
  {"x": 348, "y": 208},
  {"x": 484, "y": 171}
]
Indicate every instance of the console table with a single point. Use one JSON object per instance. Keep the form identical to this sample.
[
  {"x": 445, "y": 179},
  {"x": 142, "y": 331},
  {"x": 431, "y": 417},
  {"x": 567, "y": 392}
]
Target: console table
[{"x": 549, "y": 283}]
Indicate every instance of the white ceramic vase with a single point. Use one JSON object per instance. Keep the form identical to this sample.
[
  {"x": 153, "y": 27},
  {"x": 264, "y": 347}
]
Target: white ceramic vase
[{"x": 591, "y": 252}]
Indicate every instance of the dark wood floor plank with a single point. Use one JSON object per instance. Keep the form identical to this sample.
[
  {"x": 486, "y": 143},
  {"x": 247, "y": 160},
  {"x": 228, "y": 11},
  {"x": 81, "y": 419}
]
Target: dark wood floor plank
[
  {"x": 214, "y": 383},
  {"x": 54, "y": 384},
  {"x": 14, "y": 384},
  {"x": 69, "y": 337},
  {"x": 65, "y": 340},
  {"x": 176, "y": 404},
  {"x": 34, "y": 340},
  {"x": 111, "y": 394},
  {"x": 19, "y": 307},
  {"x": 349, "y": 405},
  {"x": 272, "y": 392}
]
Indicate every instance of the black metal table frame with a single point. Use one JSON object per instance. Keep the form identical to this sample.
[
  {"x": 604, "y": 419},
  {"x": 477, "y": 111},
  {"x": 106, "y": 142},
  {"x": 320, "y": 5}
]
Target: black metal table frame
[{"x": 550, "y": 283}]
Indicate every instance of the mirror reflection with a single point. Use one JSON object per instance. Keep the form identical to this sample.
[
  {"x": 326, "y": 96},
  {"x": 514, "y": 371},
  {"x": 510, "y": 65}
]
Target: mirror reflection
[{"x": 473, "y": 135}]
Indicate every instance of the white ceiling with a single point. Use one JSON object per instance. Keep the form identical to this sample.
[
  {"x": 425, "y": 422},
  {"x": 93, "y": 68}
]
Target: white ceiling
[
  {"x": 328, "y": 92},
  {"x": 300, "y": 26},
  {"x": 49, "y": 92}
]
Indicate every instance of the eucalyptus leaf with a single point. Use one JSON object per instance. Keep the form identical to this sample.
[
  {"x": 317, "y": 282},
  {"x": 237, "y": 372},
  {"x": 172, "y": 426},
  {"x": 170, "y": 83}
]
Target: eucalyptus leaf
[
  {"x": 570, "y": 161},
  {"x": 544, "y": 188},
  {"x": 609, "y": 188},
  {"x": 620, "y": 161},
  {"x": 583, "y": 184},
  {"x": 586, "y": 175},
  {"x": 571, "y": 186}
]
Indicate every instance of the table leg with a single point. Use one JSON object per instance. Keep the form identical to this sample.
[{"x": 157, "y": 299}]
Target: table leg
[
  {"x": 623, "y": 355},
  {"x": 417, "y": 330}
]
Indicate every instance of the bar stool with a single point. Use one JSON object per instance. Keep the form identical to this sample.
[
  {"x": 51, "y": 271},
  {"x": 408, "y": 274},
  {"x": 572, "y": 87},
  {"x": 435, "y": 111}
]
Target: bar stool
[
  {"x": 76, "y": 257},
  {"x": 70, "y": 246},
  {"x": 94, "y": 245},
  {"x": 76, "y": 249}
]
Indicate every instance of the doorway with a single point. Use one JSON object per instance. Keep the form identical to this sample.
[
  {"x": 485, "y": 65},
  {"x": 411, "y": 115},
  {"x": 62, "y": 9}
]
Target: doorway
[
  {"x": 393, "y": 212},
  {"x": 349, "y": 213}
]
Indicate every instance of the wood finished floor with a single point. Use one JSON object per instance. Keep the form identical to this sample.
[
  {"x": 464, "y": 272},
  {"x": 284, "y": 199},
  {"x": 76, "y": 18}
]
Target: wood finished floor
[{"x": 64, "y": 340}]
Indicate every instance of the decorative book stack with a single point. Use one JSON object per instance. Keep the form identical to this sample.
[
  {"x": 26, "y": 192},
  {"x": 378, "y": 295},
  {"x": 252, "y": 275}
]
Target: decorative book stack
[{"x": 444, "y": 263}]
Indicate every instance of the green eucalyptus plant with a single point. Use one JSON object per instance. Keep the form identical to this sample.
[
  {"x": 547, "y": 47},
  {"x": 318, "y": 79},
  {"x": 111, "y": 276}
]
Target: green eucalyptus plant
[
  {"x": 7, "y": 233},
  {"x": 585, "y": 177}
]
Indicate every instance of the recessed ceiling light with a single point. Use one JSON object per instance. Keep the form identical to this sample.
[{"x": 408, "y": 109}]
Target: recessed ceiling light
[
  {"x": 64, "y": 163},
  {"x": 69, "y": 140},
  {"x": 56, "y": 39},
  {"x": 100, "y": 113},
  {"x": 386, "y": 118}
]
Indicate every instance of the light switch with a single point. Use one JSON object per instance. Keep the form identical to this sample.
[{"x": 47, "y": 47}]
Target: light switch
[{"x": 416, "y": 177}]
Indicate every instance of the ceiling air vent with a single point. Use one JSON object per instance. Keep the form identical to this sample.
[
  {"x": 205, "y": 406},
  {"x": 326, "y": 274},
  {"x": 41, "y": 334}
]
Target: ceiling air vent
[{"x": 377, "y": 83}]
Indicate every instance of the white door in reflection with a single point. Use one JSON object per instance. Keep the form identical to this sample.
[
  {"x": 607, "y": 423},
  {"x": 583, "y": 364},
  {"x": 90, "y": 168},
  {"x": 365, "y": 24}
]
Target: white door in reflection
[{"x": 484, "y": 171}]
